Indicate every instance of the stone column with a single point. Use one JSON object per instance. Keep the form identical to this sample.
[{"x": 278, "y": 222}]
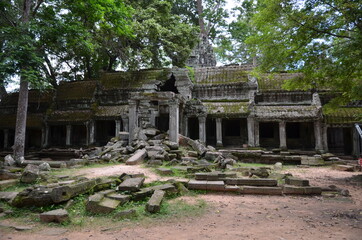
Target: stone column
[
  {"x": 325, "y": 138},
  {"x": 251, "y": 131},
  {"x": 282, "y": 135},
  {"x": 219, "y": 132},
  {"x": 202, "y": 129},
  {"x": 186, "y": 126},
  {"x": 174, "y": 120},
  {"x": 6, "y": 138},
  {"x": 153, "y": 116},
  {"x": 91, "y": 132},
  {"x": 125, "y": 123},
  {"x": 318, "y": 136},
  {"x": 68, "y": 135},
  {"x": 118, "y": 127},
  {"x": 256, "y": 133},
  {"x": 46, "y": 136},
  {"x": 133, "y": 118},
  {"x": 355, "y": 143}
]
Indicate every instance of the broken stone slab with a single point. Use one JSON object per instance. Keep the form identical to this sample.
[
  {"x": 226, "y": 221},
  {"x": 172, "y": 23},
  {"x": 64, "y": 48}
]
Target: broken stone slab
[
  {"x": 126, "y": 214},
  {"x": 154, "y": 163},
  {"x": 53, "y": 164},
  {"x": 196, "y": 145},
  {"x": 119, "y": 197},
  {"x": 8, "y": 183},
  {"x": 211, "y": 156},
  {"x": 154, "y": 204},
  {"x": 290, "y": 189},
  {"x": 171, "y": 145},
  {"x": 261, "y": 190},
  {"x": 297, "y": 182},
  {"x": 165, "y": 171},
  {"x": 150, "y": 132},
  {"x": 206, "y": 185},
  {"x": 146, "y": 192},
  {"x": 35, "y": 196},
  {"x": 137, "y": 157},
  {"x": 57, "y": 216},
  {"x": 7, "y": 196},
  {"x": 131, "y": 184},
  {"x": 346, "y": 168},
  {"x": 30, "y": 174},
  {"x": 214, "y": 176},
  {"x": 99, "y": 204},
  {"x": 251, "y": 181},
  {"x": 312, "y": 161}
]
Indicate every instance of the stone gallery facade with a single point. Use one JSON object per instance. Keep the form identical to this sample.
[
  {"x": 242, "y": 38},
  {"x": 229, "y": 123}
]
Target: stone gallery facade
[{"x": 221, "y": 106}]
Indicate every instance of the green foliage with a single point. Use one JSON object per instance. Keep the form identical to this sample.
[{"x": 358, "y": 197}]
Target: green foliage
[{"x": 322, "y": 39}]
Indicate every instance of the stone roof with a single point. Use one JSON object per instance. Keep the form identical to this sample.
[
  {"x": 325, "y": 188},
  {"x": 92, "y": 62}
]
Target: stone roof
[
  {"x": 132, "y": 79},
  {"x": 227, "y": 108},
  {"x": 343, "y": 115},
  {"x": 70, "y": 116},
  {"x": 35, "y": 96},
  {"x": 222, "y": 75},
  {"x": 111, "y": 111},
  {"x": 275, "y": 81},
  {"x": 78, "y": 90},
  {"x": 32, "y": 121},
  {"x": 286, "y": 112}
]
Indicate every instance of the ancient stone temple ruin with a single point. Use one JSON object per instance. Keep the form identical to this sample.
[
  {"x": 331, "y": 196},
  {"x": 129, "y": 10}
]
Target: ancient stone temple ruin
[{"x": 221, "y": 106}]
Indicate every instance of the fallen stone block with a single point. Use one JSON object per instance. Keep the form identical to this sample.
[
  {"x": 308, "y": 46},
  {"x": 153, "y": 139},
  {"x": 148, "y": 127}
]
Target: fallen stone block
[
  {"x": 39, "y": 197},
  {"x": 119, "y": 197},
  {"x": 99, "y": 204},
  {"x": 164, "y": 171},
  {"x": 212, "y": 156},
  {"x": 251, "y": 181},
  {"x": 57, "y": 216},
  {"x": 137, "y": 158},
  {"x": 8, "y": 183},
  {"x": 30, "y": 174},
  {"x": 7, "y": 196},
  {"x": 297, "y": 190},
  {"x": 261, "y": 190},
  {"x": 346, "y": 168},
  {"x": 154, "y": 204},
  {"x": 131, "y": 184},
  {"x": 297, "y": 182},
  {"x": 6, "y": 175}
]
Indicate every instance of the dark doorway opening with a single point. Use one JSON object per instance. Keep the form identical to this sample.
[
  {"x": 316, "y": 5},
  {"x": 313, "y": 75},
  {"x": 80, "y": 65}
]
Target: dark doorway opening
[
  {"x": 269, "y": 134},
  {"x": 300, "y": 135},
  {"x": 79, "y": 135},
  {"x": 105, "y": 130},
  {"x": 234, "y": 132},
  {"x": 1, "y": 139},
  {"x": 162, "y": 122},
  {"x": 211, "y": 131},
  {"x": 340, "y": 140},
  {"x": 57, "y": 136},
  {"x": 33, "y": 138},
  {"x": 193, "y": 126}
]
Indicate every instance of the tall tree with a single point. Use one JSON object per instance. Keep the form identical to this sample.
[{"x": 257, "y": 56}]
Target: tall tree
[
  {"x": 34, "y": 31},
  {"x": 321, "y": 38}
]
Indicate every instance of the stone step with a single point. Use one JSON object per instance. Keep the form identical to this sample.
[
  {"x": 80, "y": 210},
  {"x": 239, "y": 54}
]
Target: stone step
[
  {"x": 213, "y": 176},
  {"x": 297, "y": 182},
  {"x": 261, "y": 190},
  {"x": 7, "y": 196},
  {"x": 206, "y": 185},
  {"x": 57, "y": 216},
  {"x": 297, "y": 190},
  {"x": 251, "y": 181},
  {"x": 8, "y": 183},
  {"x": 154, "y": 204}
]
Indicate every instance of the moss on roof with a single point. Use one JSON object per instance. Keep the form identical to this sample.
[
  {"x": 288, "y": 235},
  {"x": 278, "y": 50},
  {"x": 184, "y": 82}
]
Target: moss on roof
[
  {"x": 133, "y": 79},
  {"x": 70, "y": 116},
  {"x": 221, "y": 75},
  {"x": 229, "y": 108},
  {"x": 35, "y": 96},
  {"x": 286, "y": 112},
  {"x": 343, "y": 115},
  {"x": 275, "y": 81},
  {"x": 111, "y": 111},
  {"x": 78, "y": 90}
]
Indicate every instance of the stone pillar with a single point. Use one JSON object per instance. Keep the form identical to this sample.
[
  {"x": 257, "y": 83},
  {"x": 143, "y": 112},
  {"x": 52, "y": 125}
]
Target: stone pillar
[
  {"x": 174, "y": 120},
  {"x": 6, "y": 138},
  {"x": 318, "y": 136},
  {"x": 133, "y": 118},
  {"x": 91, "y": 133},
  {"x": 118, "y": 127},
  {"x": 325, "y": 138},
  {"x": 46, "y": 136},
  {"x": 355, "y": 143},
  {"x": 282, "y": 135},
  {"x": 256, "y": 133},
  {"x": 186, "y": 126},
  {"x": 153, "y": 116},
  {"x": 251, "y": 131},
  {"x": 202, "y": 129},
  {"x": 219, "y": 132},
  {"x": 125, "y": 123},
  {"x": 68, "y": 135}
]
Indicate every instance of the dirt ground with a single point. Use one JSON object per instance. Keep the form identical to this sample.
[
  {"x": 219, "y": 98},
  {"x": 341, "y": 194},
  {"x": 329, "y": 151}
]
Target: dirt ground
[{"x": 233, "y": 216}]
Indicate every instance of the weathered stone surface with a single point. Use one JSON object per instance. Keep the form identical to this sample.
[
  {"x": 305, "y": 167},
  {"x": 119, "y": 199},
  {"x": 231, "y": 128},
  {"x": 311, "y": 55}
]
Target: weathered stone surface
[
  {"x": 119, "y": 197},
  {"x": 296, "y": 182},
  {"x": 261, "y": 190},
  {"x": 44, "y": 167},
  {"x": 211, "y": 156},
  {"x": 131, "y": 184},
  {"x": 40, "y": 196},
  {"x": 206, "y": 185},
  {"x": 165, "y": 171},
  {"x": 9, "y": 160},
  {"x": 196, "y": 145},
  {"x": 58, "y": 216},
  {"x": 154, "y": 204},
  {"x": 251, "y": 181},
  {"x": 99, "y": 204},
  {"x": 278, "y": 166},
  {"x": 213, "y": 176},
  {"x": 6, "y": 174},
  {"x": 123, "y": 136},
  {"x": 260, "y": 172},
  {"x": 346, "y": 168},
  {"x": 8, "y": 183},
  {"x": 137, "y": 158},
  {"x": 7, "y": 196},
  {"x": 171, "y": 145},
  {"x": 312, "y": 161},
  {"x": 154, "y": 163},
  {"x": 125, "y": 214},
  {"x": 30, "y": 174},
  {"x": 289, "y": 189}
]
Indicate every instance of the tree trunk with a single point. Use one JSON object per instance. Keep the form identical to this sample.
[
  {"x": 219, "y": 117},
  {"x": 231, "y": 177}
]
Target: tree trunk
[
  {"x": 200, "y": 12},
  {"x": 20, "y": 128},
  {"x": 3, "y": 92}
]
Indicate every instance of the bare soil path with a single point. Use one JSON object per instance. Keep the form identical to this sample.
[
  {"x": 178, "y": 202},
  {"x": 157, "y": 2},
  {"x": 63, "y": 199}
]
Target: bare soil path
[{"x": 241, "y": 216}]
